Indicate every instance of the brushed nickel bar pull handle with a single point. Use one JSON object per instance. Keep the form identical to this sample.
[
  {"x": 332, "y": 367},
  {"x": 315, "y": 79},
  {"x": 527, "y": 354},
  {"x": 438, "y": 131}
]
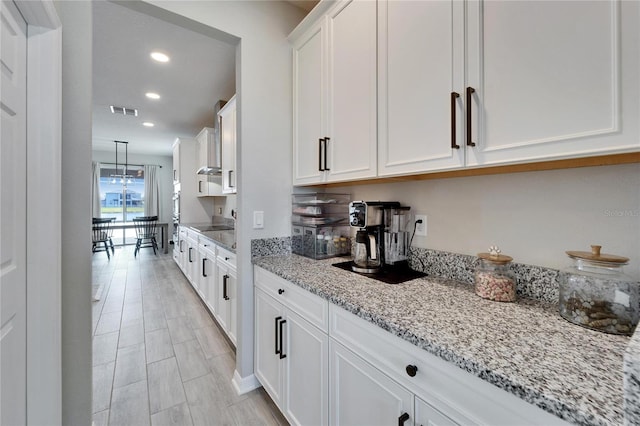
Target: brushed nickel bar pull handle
[
  {"x": 470, "y": 91},
  {"x": 454, "y": 97}
]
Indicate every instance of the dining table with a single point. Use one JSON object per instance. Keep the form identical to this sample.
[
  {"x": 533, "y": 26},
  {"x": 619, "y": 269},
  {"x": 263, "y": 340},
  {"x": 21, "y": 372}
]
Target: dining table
[{"x": 164, "y": 231}]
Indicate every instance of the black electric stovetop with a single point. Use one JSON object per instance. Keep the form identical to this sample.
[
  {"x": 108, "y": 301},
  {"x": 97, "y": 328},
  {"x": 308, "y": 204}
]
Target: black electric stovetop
[{"x": 390, "y": 274}]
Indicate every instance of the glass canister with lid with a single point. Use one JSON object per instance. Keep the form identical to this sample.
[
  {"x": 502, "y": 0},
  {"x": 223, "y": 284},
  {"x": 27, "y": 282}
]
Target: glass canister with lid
[
  {"x": 596, "y": 294},
  {"x": 493, "y": 277}
]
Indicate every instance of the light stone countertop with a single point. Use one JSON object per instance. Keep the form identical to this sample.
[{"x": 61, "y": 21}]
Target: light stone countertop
[
  {"x": 525, "y": 348},
  {"x": 225, "y": 238}
]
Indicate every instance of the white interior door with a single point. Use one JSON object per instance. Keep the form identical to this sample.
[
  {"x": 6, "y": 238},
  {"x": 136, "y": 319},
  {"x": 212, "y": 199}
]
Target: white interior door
[{"x": 13, "y": 277}]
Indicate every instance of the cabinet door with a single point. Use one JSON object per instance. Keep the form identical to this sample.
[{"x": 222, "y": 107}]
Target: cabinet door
[
  {"x": 232, "y": 305},
  {"x": 176, "y": 163},
  {"x": 545, "y": 89},
  {"x": 361, "y": 395},
  {"x": 203, "y": 188},
  {"x": 208, "y": 275},
  {"x": 426, "y": 415},
  {"x": 352, "y": 133},
  {"x": 222, "y": 308},
  {"x": 306, "y": 372},
  {"x": 227, "y": 299},
  {"x": 228, "y": 140},
  {"x": 309, "y": 99},
  {"x": 191, "y": 261},
  {"x": 268, "y": 367},
  {"x": 421, "y": 53}
]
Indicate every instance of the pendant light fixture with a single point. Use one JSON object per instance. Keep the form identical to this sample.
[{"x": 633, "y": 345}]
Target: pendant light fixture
[{"x": 124, "y": 176}]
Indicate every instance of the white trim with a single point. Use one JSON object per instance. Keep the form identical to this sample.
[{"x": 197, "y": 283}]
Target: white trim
[
  {"x": 44, "y": 146},
  {"x": 244, "y": 385}
]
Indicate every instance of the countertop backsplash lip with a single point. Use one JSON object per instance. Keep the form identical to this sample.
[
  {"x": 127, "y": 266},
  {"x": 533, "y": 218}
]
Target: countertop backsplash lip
[
  {"x": 535, "y": 282},
  {"x": 276, "y": 246}
]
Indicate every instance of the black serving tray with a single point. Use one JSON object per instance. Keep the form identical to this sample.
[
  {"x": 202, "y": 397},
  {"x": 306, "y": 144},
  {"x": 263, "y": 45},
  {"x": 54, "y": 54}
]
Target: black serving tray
[{"x": 390, "y": 274}]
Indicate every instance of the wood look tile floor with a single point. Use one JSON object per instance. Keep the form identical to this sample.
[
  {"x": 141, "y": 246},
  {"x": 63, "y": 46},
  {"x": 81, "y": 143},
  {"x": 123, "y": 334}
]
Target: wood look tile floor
[{"x": 158, "y": 356}]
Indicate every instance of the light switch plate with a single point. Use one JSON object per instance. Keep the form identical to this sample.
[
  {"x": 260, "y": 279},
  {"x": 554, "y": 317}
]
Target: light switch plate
[
  {"x": 258, "y": 220},
  {"x": 421, "y": 228}
]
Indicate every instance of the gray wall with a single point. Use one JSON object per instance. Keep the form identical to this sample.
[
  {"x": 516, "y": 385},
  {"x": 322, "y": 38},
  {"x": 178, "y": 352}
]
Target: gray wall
[
  {"x": 76, "y": 211},
  {"x": 534, "y": 217},
  {"x": 263, "y": 83}
]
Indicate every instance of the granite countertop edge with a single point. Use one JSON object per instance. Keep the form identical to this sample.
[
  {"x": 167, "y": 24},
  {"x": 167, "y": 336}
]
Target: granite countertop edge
[{"x": 551, "y": 404}]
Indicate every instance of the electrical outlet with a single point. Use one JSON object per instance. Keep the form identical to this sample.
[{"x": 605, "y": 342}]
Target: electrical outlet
[{"x": 421, "y": 228}]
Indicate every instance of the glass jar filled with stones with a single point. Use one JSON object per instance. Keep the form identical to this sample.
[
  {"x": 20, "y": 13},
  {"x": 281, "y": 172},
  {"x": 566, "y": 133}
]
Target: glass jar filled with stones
[
  {"x": 494, "y": 280},
  {"x": 596, "y": 294}
]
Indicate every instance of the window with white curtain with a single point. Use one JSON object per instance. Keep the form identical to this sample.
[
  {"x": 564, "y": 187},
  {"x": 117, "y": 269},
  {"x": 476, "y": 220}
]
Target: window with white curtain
[{"x": 122, "y": 198}]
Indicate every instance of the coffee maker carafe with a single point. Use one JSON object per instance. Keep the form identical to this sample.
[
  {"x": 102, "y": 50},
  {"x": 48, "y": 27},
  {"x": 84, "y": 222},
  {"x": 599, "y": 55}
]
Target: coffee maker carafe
[
  {"x": 368, "y": 216},
  {"x": 367, "y": 258}
]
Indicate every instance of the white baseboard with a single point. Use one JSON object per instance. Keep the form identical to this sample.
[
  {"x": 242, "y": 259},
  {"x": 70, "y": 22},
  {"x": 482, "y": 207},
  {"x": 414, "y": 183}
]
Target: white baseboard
[{"x": 244, "y": 384}]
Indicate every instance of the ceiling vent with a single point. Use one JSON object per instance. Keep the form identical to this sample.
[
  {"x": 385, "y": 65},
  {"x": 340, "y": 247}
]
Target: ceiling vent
[{"x": 124, "y": 110}]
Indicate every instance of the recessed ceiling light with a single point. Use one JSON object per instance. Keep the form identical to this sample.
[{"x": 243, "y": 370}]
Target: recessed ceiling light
[
  {"x": 152, "y": 95},
  {"x": 148, "y": 124},
  {"x": 159, "y": 56}
]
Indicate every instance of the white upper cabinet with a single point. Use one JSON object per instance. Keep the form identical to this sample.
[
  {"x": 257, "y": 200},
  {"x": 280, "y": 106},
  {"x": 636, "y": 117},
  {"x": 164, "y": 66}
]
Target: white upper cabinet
[
  {"x": 462, "y": 84},
  {"x": 335, "y": 136},
  {"x": 208, "y": 185},
  {"x": 420, "y": 85},
  {"x": 553, "y": 79},
  {"x": 228, "y": 140},
  {"x": 308, "y": 117},
  {"x": 176, "y": 163}
]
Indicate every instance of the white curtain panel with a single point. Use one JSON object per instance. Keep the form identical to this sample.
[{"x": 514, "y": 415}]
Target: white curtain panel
[
  {"x": 95, "y": 190},
  {"x": 151, "y": 191}
]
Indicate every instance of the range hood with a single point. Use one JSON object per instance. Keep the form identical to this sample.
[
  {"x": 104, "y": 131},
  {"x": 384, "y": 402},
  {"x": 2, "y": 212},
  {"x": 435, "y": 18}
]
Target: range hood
[
  {"x": 214, "y": 163},
  {"x": 209, "y": 170}
]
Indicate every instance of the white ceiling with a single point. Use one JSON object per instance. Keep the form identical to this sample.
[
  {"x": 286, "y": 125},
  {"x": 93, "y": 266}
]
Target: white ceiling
[{"x": 201, "y": 71}]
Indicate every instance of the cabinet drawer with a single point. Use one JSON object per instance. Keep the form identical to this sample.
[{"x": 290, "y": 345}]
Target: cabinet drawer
[
  {"x": 311, "y": 307},
  {"x": 227, "y": 256},
  {"x": 207, "y": 246},
  {"x": 463, "y": 397}
]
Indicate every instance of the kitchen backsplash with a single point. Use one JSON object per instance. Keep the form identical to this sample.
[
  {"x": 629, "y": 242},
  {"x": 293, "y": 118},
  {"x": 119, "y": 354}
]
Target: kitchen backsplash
[
  {"x": 280, "y": 246},
  {"x": 535, "y": 282}
]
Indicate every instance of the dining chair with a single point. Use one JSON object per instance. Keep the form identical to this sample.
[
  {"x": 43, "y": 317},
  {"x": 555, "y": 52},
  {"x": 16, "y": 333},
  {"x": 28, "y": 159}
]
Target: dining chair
[
  {"x": 102, "y": 234},
  {"x": 145, "y": 233}
]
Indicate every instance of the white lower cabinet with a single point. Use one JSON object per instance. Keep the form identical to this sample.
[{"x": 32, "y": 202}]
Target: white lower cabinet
[
  {"x": 426, "y": 415},
  {"x": 323, "y": 365},
  {"x": 208, "y": 272},
  {"x": 226, "y": 305},
  {"x": 291, "y": 351},
  {"x": 191, "y": 268},
  {"x": 211, "y": 271},
  {"x": 361, "y": 394}
]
